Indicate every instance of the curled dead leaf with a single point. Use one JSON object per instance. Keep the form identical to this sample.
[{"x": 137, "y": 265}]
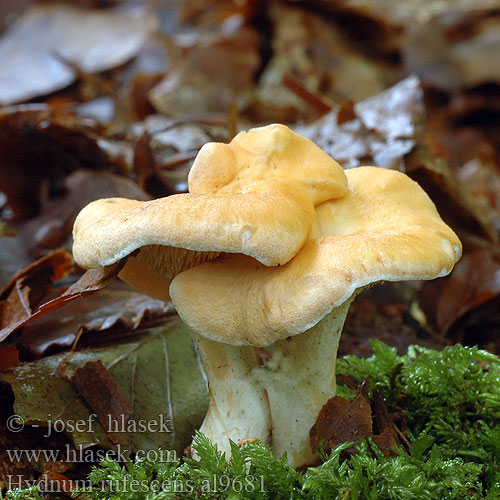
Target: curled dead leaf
[
  {"x": 111, "y": 310},
  {"x": 16, "y": 309},
  {"x": 26, "y": 289}
]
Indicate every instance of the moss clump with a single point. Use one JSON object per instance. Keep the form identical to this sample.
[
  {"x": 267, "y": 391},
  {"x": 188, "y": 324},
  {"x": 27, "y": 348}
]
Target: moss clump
[
  {"x": 450, "y": 398},
  {"x": 451, "y": 401}
]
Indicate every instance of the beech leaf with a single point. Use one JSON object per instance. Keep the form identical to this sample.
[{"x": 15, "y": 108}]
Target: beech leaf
[
  {"x": 100, "y": 391},
  {"x": 116, "y": 307},
  {"x": 383, "y": 130},
  {"x": 158, "y": 373},
  {"x": 25, "y": 290},
  {"x": 36, "y": 51},
  {"x": 16, "y": 310},
  {"x": 341, "y": 421}
]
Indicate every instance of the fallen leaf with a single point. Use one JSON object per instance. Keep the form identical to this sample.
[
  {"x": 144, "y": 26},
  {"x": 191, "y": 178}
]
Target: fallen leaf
[
  {"x": 383, "y": 131},
  {"x": 457, "y": 208},
  {"x": 384, "y": 23},
  {"x": 157, "y": 372},
  {"x": 209, "y": 71},
  {"x": 27, "y": 288},
  {"x": 340, "y": 421},
  {"x": 116, "y": 308},
  {"x": 17, "y": 312},
  {"x": 9, "y": 356},
  {"x": 379, "y": 23},
  {"x": 389, "y": 435},
  {"x": 450, "y": 64},
  {"x": 100, "y": 391},
  {"x": 481, "y": 180},
  {"x": 52, "y": 479},
  {"x": 173, "y": 146},
  {"x": 470, "y": 297},
  {"x": 37, "y": 149},
  {"x": 52, "y": 227},
  {"x": 149, "y": 175},
  {"x": 311, "y": 53},
  {"x": 396, "y": 113},
  {"x": 33, "y": 52}
]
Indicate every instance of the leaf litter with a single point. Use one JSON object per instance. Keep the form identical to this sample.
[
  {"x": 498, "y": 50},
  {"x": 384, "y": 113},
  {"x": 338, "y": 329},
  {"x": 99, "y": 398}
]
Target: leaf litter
[
  {"x": 47, "y": 38},
  {"x": 123, "y": 113},
  {"x": 173, "y": 396}
]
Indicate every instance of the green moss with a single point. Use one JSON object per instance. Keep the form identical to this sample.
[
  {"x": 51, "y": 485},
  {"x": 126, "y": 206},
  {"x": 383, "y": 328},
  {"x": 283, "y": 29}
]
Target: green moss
[
  {"x": 451, "y": 400},
  {"x": 451, "y": 397}
]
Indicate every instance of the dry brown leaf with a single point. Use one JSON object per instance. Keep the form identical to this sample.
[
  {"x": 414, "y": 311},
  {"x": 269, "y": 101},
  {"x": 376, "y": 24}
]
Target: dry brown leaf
[
  {"x": 316, "y": 53},
  {"x": 100, "y": 391},
  {"x": 341, "y": 421},
  {"x": 383, "y": 131},
  {"x": 453, "y": 52},
  {"x": 33, "y": 52},
  {"x": 17, "y": 312},
  {"x": 456, "y": 207},
  {"x": 56, "y": 482},
  {"x": 52, "y": 227},
  {"x": 9, "y": 356},
  {"x": 472, "y": 286},
  {"x": 149, "y": 176},
  {"x": 209, "y": 72},
  {"x": 27, "y": 288},
  {"x": 115, "y": 308},
  {"x": 38, "y": 150},
  {"x": 43, "y": 273},
  {"x": 404, "y": 13}
]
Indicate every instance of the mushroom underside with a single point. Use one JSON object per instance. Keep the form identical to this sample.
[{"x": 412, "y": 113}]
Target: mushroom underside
[{"x": 153, "y": 267}]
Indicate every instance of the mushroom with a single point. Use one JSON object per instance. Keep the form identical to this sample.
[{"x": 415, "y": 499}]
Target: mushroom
[{"x": 268, "y": 249}]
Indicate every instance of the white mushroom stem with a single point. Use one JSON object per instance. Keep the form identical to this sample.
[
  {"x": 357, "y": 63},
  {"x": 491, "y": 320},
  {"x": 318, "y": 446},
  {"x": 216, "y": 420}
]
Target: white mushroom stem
[
  {"x": 277, "y": 403},
  {"x": 299, "y": 380},
  {"x": 238, "y": 406}
]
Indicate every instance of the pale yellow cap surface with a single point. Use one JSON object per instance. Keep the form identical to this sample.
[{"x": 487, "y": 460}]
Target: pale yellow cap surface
[
  {"x": 384, "y": 229},
  {"x": 255, "y": 196},
  {"x": 272, "y": 236}
]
